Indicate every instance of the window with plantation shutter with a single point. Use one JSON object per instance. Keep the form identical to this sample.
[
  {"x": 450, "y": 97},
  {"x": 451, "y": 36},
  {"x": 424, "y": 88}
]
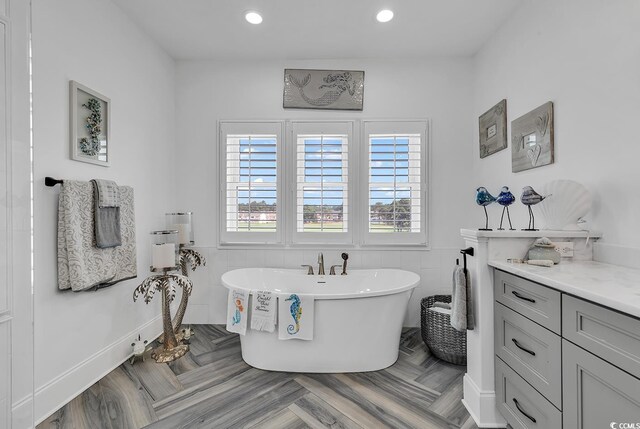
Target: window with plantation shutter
[
  {"x": 322, "y": 181},
  {"x": 395, "y": 172},
  {"x": 250, "y": 202},
  {"x": 340, "y": 182}
]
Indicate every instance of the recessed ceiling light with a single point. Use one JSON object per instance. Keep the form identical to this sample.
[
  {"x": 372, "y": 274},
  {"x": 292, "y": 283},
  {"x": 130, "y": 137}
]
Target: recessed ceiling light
[
  {"x": 385, "y": 15},
  {"x": 253, "y": 17}
]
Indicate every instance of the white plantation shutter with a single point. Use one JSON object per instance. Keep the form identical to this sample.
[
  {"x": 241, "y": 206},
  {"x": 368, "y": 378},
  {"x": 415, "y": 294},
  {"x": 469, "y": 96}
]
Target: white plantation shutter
[
  {"x": 322, "y": 209},
  {"x": 250, "y": 177},
  {"x": 332, "y": 196},
  {"x": 395, "y": 174}
]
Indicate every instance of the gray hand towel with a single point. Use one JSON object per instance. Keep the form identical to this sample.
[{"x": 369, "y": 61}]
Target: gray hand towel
[
  {"x": 471, "y": 321},
  {"x": 459, "y": 300},
  {"x": 107, "y": 219},
  {"x": 108, "y": 194}
]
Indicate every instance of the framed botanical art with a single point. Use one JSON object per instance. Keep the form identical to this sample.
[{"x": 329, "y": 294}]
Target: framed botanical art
[
  {"x": 532, "y": 139},
  {"x": 89, "y": 132},
  {"x": 323, "y": 89},
  {"x": 493, "y": 129}
]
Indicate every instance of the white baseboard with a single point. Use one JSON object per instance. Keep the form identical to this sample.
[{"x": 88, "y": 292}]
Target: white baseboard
[
  {"x": 22, "y": 413},
  {"x": 54, "y": 394},
  {"x": 481, "y": 405}
]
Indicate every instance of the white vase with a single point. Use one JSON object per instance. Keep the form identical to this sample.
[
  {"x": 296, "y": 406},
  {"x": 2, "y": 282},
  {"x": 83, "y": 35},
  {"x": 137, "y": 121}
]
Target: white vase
[{"x": 566, "y": 202}]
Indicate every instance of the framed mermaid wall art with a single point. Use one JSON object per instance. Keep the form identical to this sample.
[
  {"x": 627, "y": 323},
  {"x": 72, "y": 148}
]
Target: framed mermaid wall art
[{"x": 323, "y": 89}]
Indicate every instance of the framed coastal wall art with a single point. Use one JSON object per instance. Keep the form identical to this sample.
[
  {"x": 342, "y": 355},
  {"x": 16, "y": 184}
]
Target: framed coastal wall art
[
  {"x": 493, "y": 129},
  {"x": 89, "y": 132},
  {"x": 323, "y": 89},
  {"x": 532, "y": 139}
]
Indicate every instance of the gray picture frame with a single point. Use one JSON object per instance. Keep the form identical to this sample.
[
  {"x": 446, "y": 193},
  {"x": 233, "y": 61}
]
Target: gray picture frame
[
  {"x": 86, "y": 146},
  {"x": 323, "y": 89},
  {"x": 492, "y": 126},
  {"x": 532, "y": 144}
]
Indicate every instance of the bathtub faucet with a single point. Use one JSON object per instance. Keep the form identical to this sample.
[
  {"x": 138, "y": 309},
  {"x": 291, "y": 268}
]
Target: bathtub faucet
[{"x": 320, "y": 264}]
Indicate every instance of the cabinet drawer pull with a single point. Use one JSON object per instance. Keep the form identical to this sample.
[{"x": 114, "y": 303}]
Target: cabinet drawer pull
[
  {"x": 515, "y": 401},
  {"x": 517, "y": 295},
  {"x": 531, "y": 352}
]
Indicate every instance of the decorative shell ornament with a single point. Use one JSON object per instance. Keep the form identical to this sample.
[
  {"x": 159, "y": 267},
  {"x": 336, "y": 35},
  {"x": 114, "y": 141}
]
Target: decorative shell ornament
[
  {"x": 140, "y": 347},
  {"x": 569, "y": 201},
  {"x": 543, "y": 249}
]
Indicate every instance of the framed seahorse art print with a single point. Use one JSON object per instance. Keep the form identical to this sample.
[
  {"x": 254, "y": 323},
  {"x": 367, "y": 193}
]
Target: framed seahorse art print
[
  {"x": 90, "y": 116},
  {"x": 323, "y": 89}
]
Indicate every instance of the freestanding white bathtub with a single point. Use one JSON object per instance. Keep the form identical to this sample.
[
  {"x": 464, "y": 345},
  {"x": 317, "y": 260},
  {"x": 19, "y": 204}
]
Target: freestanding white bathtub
[{"x": 357, "y": 326}]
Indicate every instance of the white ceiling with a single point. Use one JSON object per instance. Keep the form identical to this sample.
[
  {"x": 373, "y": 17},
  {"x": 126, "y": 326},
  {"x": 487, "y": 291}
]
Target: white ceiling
[{"x": 314, "y": 29}]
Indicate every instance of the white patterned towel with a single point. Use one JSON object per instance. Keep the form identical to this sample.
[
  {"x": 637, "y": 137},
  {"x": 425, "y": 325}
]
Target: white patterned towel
[
  {"x": 237, "y": 311},
  {"x": 263, "y": 311},
  {"x": 81, "y": 265},
  {"x": 295, "y": 317}
]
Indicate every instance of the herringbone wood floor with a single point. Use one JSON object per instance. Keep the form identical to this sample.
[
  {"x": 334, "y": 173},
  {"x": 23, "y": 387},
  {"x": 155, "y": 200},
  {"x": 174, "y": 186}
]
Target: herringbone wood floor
[{"x": 212, "y": 387}]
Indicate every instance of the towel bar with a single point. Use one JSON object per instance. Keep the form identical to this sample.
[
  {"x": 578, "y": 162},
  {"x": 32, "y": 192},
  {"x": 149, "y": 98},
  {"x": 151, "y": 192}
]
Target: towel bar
[
  {"x": 51, "y": 182},
  {"x": 468, "y": 251}
]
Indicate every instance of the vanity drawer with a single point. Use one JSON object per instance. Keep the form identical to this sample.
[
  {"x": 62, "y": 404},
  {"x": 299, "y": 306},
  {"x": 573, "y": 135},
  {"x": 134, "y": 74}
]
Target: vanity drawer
[
  {"x": 539, "y": 303},
  {"x": 608, "y": 334},
  {"x": 531, "y": 350},
  {"x": 520, "y": 404},
  {"x": 596, "y": 392}
]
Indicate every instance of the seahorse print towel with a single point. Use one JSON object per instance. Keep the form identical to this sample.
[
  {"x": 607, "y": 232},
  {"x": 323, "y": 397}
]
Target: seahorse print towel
[
  {"x": 237, "y": 311},
  {"x": 263, "y": 311},
  {"x": 295, "y": 317}
]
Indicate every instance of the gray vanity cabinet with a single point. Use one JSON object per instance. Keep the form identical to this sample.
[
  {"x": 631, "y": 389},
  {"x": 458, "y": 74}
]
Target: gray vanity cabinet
[
  {"x": 596, "y": 393},
  {"x": 563, "y": 362},
  {"x": 536, "y": 302}
]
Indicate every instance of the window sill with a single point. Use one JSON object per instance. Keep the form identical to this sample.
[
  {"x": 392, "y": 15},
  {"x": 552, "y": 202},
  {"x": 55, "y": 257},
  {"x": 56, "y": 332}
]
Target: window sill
[{"x": 319, "y": 246}]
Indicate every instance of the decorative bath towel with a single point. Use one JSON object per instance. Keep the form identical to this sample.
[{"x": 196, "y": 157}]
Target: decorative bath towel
[
  {"x": 106, "y": 213},
  {"x": 295, "y": 317},
  {"x": 82, "y": 265},
  {"x": 263, "y": 311},
  {"x": 237, "y": 311}
]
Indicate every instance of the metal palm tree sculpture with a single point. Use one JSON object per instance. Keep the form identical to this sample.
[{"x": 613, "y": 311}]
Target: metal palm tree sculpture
[
  {"x": 165, "y": 283},
  {"x": 194, "y": 259},
  {"x": 188, "y": 257}
]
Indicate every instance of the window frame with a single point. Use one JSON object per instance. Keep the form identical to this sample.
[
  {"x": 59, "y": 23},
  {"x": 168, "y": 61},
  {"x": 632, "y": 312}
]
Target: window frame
[
  {"x": 329, "y": 127},
  {"x": 394, "y": 239},
  {"x": 272, "y": 127},
  {"x": 357, "y": 235}
]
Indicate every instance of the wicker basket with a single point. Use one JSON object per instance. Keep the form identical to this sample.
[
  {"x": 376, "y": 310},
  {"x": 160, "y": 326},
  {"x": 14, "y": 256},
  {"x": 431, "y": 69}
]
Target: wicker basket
[{"x": 443, "y": 340}]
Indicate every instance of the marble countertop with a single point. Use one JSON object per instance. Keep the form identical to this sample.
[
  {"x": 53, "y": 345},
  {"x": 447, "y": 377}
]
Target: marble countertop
[
  {"x": 465, "y": 232},
  {"x": 609, "y": 285}
]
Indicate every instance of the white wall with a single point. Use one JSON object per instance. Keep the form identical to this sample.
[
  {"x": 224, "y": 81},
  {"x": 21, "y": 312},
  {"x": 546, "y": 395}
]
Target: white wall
[
  {"x": 583, "y": 56},
  {"x": 438, "y": 89},
  {"x": 80, "y": 336},
  {"x": 16, "y": 300}
]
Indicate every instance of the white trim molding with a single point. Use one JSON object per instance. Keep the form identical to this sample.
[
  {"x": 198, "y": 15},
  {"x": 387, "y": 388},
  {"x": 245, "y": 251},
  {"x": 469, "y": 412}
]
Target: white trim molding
[{"x": 57, "y": 392}]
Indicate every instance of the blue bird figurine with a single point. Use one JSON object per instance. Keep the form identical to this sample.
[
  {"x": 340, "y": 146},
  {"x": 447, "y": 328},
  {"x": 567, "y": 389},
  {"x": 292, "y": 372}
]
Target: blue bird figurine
[
  {"x": 505, "y": 199},
  {"x": 530, "y": 198},
  {"x": 484, "y": 198}
]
